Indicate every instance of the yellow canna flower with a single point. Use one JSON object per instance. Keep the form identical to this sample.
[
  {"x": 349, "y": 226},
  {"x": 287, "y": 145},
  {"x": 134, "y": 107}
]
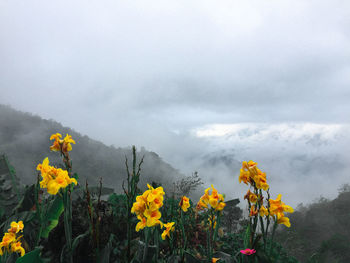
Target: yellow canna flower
[
  {"x": 250, "y": 173},
  {"x": 277, "y": 207},
  {"x": 146, "y": 207},
  {"x": 215, "y": 200},
  {"x": 263, "y": 211},
  {"x": 152, "y": 217},
  {"x": 16, "y": 227},
  {"x": 139, "y": 206},
  {"x": 220, "y": 206},
  {"x": 7, "y": 239},
  {"x": 66, "y": 146},
  {"x": 57, "y": 142},
  {"x": 168, "y": 227},
  {"x": 61, "y": 145},
  {"x": 154, "y": 193},
  {"x": 253, "y": 198},
  {"x": 253, "y": 211},
  {"x": 244, "y": 176},
  {"x": 184, "y": 203},
  {"x": 283, "y": 220},
  {"x": 142, "y": 224},
  {"x": 53, "y": 178},
  {"x": 17, "y": 247}
]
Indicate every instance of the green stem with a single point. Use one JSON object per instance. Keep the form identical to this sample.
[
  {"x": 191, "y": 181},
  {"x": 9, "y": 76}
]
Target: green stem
[
  {"x": 67, "y": 202},
  {"x": 273, "y": 234},
  {"x": 147, "y": 237},
  {"x": 156, "y": 241},
  {"x": 38, "y": 211},
  {"x": 184, "y": 239}
]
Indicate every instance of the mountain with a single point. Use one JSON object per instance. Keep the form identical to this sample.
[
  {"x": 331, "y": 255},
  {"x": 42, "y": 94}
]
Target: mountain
[{"x": 24, "y": 138}]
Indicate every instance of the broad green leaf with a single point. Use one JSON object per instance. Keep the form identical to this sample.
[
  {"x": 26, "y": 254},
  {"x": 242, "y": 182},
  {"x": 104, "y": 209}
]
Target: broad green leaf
[
  {"x": 51, "y": 218},
  {"x": 31, "y": 257}
]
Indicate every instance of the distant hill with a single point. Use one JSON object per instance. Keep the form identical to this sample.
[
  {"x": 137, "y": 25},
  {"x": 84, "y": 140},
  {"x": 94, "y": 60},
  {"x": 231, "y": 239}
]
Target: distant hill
[{"x": 24, "y": 138}]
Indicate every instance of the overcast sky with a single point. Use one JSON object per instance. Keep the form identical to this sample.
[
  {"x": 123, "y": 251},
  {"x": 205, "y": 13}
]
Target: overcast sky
[{"x": 178, "y": 77}]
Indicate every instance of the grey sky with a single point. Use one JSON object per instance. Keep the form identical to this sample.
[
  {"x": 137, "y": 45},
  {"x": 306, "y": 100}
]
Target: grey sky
[{"x": 151, "y": 72}]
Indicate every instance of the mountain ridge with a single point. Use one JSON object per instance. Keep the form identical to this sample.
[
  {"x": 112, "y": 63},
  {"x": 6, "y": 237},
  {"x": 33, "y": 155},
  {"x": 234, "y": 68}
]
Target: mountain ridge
[{"x": 24, "y": 138}]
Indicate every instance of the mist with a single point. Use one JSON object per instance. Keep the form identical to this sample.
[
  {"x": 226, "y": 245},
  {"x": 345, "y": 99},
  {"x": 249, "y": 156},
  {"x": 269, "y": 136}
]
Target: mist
[{"x": 204, "y": 84}]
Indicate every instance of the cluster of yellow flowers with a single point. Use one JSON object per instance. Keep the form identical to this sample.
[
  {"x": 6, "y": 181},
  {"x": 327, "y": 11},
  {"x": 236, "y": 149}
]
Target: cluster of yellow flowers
[
  {"x": 250, "y": 173},
  {"x": 53, "y": 178},
  {"x": 215, "y": 200},
  {"x": 147, "y": 207},
  {"x": 10, "y": 242},
  {"x": 184, "y": 203},
  {"x": 61, "y": 145}
]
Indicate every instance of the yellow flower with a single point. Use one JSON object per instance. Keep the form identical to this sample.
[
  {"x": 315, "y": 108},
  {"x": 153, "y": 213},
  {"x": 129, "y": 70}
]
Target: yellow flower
[
  {"x": 251, "y": 197},
  {"x": 168, "y": 227},
  {"x": 220, "y": 206},
  {"x": 184, "y": 203},
  {"x": 66, "y": 146},
  {"x": 61, "y": 145},
  {"x": 53, "y": 178},
  {"x": 244, "y": 176},
  {"x": 7, "y": 239},
  {"x": 277, "y": 207},
  {"x": 57, "y": 142},
  {"x": 253, "y": 211},
  {"x": 215, "y": 200},
  {"x": 16, "y": 247},
  {"x": 152, "y": 217},
  {"x": 142, "y": 224},
  {"x": 213, "y": 260},
  {"x": 146, "y": 207},
  {"x": 283, "y": 220},
  {"x": 263, "y": 211},
  {"x": 16, "y": 227},
  {"x": 250, "y": 173},
  {"x": 153, "y": 193},
  {"x": 203, "y": 202},
  {"x": 139, "y": 206}
]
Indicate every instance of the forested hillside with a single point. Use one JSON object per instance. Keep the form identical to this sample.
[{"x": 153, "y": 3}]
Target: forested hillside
[
  {"x": 24, "y": 138},
  {"x": 320, "y": 230}
]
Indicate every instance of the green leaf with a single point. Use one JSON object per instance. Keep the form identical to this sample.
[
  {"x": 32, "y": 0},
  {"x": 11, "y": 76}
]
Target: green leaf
[
  {"x": 51, "y": 218},
  {"x": 31, "y": 257},
  {"x": 106, "y": 251},
  {"x": 77, "y": 240},
  {"x": 27, "y": 201}
]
